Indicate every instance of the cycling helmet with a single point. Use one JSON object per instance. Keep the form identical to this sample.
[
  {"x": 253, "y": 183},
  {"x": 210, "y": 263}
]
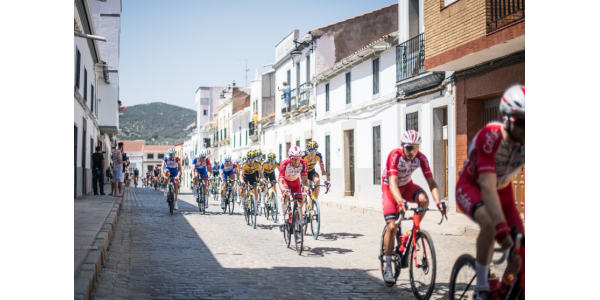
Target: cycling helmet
[
  {"x": 312, "y": 145},
  {"x": 227, "y": 157},
  {"x": 295, "y": 152},
  {"x": 410, "y": 137},
  {"x": 258, "y": 152},
  {"x": 238, "y": 160},
  {"x": 201, "y": 153},
  {"x": 271, "y": 156},
  {"x": 513, "y": 101},
  {"x": 244, "y": 159},
  {"x": 251, "y": 154},
  {"x": 172, "y": 151}
]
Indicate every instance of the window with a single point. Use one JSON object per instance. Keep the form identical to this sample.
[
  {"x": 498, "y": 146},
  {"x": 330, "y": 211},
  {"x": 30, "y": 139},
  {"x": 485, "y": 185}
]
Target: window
[
  {"x": 327, "y": 156},
  {"x": 246, "y": 137},
  {"x": 298, "y": 143},
  {"x": 85, "y": 85},
  {"x": 240, "y": 138},
  {"x": 307, "y": 68},
  {"x": 225, "y": 132},
  {"x": 205, "y": 112},
  {"x": 348, "y": 99},
  {"x": 297, "y": 76},
  {"x": 289, "y": 77},
  {"x": 280, "y": 157},
  {"x": 376, "y": 76},
  {"x": 92, "y": 96},
  {"x": 221, "y": 135},
  {"x": 161, "y": 156},
  {"x": 377, "y": 154},
  {"x": 412, "y": 121},
  {"x": 78, "y": 67},
  {"x": 150, "y": 155},
  {"x": 327, "y": 97}
]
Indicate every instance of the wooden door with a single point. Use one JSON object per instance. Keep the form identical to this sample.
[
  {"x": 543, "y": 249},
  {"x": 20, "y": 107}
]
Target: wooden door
[
  {"x": 349, "y": 162},
  {"x": 519, "y": 191}
]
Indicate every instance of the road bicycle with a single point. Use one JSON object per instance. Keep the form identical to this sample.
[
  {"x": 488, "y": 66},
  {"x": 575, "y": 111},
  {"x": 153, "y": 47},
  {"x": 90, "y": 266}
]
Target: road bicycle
[
  {"x": 229, "y": 199},
  {"x": 293, "y": 222},
  {"x": 216, "y": 188},
  {"x": 201, "y": 197},
  {"x": 250, "y": 205},
  {"x": 462, "y": 279},
  {"x": 135, "y": 181},
  {"x": 414, "y": 247},
  {"x": 170, "y": 194},
  {"x": 271, "y": 201},
  {"x": 312, "y": 212}
]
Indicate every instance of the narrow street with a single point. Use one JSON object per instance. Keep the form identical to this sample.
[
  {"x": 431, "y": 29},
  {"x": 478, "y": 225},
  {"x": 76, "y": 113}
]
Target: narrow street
[{"x": 155, "y": 255}]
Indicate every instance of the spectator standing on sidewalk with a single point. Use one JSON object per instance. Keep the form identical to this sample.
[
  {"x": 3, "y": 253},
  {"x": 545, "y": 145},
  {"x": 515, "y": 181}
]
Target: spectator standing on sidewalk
[
  {"x": 286, "y": 95},
  {"x": 118, "y": 163},
  {"x": 98, "y": 170}
]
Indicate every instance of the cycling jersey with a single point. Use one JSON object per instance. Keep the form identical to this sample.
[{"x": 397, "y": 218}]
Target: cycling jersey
[
  {"x": 267, "y": 169},
  {"x": 249, "y": 170},
  {"x": 229, "y": 168},
  {"x": 201, "y": 164},
  {"x": 291, "y": 173},
  {"x": 312, "y": 162},
  {"x": 171, "y": 164},
  {"x": 396, "y": 165},
  {"x": 490, "y": 153}
]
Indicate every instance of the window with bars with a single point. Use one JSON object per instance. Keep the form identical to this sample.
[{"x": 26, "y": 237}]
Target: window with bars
[
  {"x": 376, "y": 76},
  {"x": 150, "y": 155},
  {"x": 78, "y": 67},
  {"x": 161, "y": 155},
  {"x": 85, "y": 85},
  {"x": 327, "y": 97},
  {"x": 327, "y": 156},
  {"x": 377, "y": 154},
  {"x": 412, "y": 121},
  {"x": 348, "y": 91}
]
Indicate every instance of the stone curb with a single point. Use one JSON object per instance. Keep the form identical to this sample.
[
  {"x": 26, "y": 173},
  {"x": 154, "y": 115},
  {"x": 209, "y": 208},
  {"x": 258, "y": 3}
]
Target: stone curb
[{"x": 87, "y": 273}]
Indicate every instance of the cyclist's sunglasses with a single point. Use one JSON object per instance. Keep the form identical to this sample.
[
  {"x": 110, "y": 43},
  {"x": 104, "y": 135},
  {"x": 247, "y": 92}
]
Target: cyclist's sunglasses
[
  {"x": 411, "y": 147},
  {"x": 227, "y": 160},
  {"x": 202, "y": 156},
  {"x": 519, "y": 123},
  {"x": 171, "y": 154},
  {"x": 296, "y": 158},
  {"x": 313, "y": 151},
  {"x": 251, "y": 159}
]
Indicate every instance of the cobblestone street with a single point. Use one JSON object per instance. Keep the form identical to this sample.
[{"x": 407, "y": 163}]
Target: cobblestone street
[{"x": 155, "y": 255}]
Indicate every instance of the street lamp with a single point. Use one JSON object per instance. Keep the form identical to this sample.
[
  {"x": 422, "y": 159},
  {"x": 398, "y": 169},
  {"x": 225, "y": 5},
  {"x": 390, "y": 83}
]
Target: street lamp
[{"x": 296, "y": 56}]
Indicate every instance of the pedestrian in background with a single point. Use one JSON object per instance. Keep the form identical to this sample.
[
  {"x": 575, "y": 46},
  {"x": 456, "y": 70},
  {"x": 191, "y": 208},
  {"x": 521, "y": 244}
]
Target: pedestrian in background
[
  {"x": 98, "y": 170},
  {"x": 286, "y": 95},
  {"x": 118, "y": 163}
]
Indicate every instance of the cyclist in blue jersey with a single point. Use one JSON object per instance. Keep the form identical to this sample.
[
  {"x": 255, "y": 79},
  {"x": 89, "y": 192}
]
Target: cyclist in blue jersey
[
  {"x": 172, "y": 165},
  {"x": 202, "y": 166},
  {"x": 215, "y": 174},
  {"x": 226, "y": 170}
]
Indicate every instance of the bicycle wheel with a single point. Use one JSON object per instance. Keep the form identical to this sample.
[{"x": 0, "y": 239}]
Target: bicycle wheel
[
  {"x": 298, "y": 235},
  {"x": 286, "y": 227},
  {"x": 230, "y": 199},
  {"x": 423, "y": 266},
  {"x": 170, "y": 200},
  {"x": 395, "y": 259},
  {"x": 259, "y": 208},
  {"x": 267, "y": 209},
  {"x": 315, "y": 220},
  {"x": 462, "y": 278},
  {"x": 306, "y": 217},
  {"x": 516, "y": 293},
  {"x": 274, "y": 206},
  {"x": 253, "y": 206},
  {"x": 246, "y": 210}
]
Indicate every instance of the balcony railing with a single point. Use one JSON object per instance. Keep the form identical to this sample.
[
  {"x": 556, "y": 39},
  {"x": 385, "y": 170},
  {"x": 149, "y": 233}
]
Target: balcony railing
[
  {"x": 503, "y": 12},
  {"x": 410, "y": 58},
  {"x": 293, "y": 103}
]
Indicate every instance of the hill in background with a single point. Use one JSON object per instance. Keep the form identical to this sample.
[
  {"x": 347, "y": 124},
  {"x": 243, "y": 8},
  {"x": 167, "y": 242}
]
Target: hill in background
[{"x": 157, "y": 123}]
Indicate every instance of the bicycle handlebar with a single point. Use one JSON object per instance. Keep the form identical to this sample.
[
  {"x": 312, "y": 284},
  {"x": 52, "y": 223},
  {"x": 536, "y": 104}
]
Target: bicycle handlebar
[
  {"x": 509, "y": 252},
  {"x": 417, "y": 210},
  {"x": 327, "y": 189}
]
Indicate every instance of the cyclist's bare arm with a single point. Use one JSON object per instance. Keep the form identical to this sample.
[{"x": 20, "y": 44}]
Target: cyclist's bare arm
[
  {"x": 305, "y": 182},
  {"x": 393, "y": 186},
  {"x": 180, "y": 168},
  {"x": 281, "y": 184},
  {"x": 435, "y": 191},
  {"x": 491, "y": 200},
  {"x": 323, "y": 172}
]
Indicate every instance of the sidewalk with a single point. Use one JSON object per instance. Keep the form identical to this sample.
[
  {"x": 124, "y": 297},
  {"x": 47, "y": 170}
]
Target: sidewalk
[
  {"x": 457, "y": 224},
  {"x": 94, "y": 220}
]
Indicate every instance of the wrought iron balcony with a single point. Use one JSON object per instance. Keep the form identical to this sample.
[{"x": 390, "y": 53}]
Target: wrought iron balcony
[
  {"x": 410, "y": 58},
  {"x": 503, "y": 12}
]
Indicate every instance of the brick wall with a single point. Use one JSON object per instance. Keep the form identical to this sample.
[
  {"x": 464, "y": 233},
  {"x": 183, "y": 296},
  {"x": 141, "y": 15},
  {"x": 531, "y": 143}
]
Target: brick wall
[{"x": 473, "y": 91}]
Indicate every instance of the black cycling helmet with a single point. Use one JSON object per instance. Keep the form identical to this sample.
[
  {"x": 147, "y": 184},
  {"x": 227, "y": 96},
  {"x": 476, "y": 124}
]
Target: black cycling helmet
[
  {"x": 312, "y": 145},
  {"x": 251, "y": 154},
  {"x": 271, "y": 156}
]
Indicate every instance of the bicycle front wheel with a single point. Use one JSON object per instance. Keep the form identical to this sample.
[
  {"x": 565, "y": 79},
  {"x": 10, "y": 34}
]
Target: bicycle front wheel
[
  {"x": 315, "y": 220},
  {"x": 274, "y": 206},
  {"x": 254, "y": 211},
  {"x": 246, "y": 210},
  {"x": 462, "y": 278},
  {"x": 422, "y": 266},
  {"x": 230, "y": 199},
  {"x": 298, "y": 235}
]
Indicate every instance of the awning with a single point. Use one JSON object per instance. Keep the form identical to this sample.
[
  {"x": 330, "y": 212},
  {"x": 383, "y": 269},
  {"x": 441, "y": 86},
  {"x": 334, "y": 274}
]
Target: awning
[{"x": 109, "y": 129}]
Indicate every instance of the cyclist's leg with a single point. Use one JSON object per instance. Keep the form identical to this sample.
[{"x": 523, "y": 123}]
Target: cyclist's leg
[
  {"x": 513, "y": 218},
  {"x": 224, "y": 185},
  {"x": 390, "y": 214},
  {"x": 316, "y": 180},
  {"x": 414, "y": 193},
  {"x": 175, "y": 184},
  {"x": 470, "y": 203}
]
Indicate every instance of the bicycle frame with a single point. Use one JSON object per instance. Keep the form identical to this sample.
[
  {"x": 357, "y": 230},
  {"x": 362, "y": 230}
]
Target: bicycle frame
[{"x": 412, "y": 239}]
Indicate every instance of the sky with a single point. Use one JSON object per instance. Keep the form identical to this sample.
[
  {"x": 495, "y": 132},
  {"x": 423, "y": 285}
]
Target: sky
[{"x": 170, "y": 48}]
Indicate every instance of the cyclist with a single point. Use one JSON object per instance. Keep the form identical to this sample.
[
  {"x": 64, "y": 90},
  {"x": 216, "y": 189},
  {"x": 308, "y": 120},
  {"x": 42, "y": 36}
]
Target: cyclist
[
  {"x": 290, "y": 171},
  {"x": 312, "y": 157},
  {"x": 248, "y": 175},
  {"x": 201, "y": 166},
  {"x": 398, "y": 187},
  {"x": 259, "y": 160},
  {"x": 136, "y": 174},
  {"x": 226, "y": 170},
  {"x": 215, "y": 172},
  {"x": 156, "y": 173},
  {"x": 268, "y": 168},
  {"x": 148, "y": 177},
  {"x": 484, "y": 191},
  {"x": 171, "y": 166},
  {"x": 239, "y": 171}
]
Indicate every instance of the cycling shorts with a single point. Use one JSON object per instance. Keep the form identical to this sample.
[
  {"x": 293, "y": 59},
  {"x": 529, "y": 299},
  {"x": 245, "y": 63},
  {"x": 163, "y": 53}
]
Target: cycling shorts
[
  {"x": 227, "y": 174},
  {"x": 270, "y": 177},
  {"x": 173, "y": 172},
  {"x": 250, "y": 179},
  {"x": 201, "y": 172},
  {"x": 409, "y": 193},
  {"x": 216, "y": 174},
  {"x": 295, "y": 187},
  {"x": 312, "y": 174}
]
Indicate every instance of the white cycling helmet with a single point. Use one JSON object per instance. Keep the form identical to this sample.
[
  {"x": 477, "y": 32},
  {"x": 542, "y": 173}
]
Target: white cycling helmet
[
  {"x": 513, "y": 101},
  {"x": 294, "y": 151},
  {"x": 172, "y": 151},
  {"x": 201, "y": 153},
  {"x": 227, "y": 157},
  {"x": 410, "y": 137}
]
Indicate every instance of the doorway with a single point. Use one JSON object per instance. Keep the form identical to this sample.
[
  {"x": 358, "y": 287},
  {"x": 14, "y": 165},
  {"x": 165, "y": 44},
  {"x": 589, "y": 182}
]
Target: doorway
[
  {"x": 440, "y": 149},
  {"x": 75, "y": 165},
  {"x": 83, "y": 160},
  {"x": 287, "y": 148},
  {"x": 349, "y": 162}
]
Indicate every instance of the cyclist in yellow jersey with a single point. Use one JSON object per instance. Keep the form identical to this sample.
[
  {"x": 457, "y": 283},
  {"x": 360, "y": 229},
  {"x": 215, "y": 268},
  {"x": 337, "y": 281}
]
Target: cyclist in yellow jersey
[
  {"x": 248, "y": 175},
  {"x": 312, "y": 157},
  {"x": 268, "y": 168},
  {"x": 242, "y": 162}
]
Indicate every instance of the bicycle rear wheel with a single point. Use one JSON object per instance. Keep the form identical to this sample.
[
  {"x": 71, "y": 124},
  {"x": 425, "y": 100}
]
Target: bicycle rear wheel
[
  {"x": 274, "y": 206},
  {"x": 254, "y": 209},
  {"x": 246, "y": 210},
  {"x": 230, "y": 199},
  {"x": 298, "y": 235},
  {"x": 286, "y": 227},
  {"x": 395, "y": 259},
  {"x": 462, "y": 278},
  {"x": 315, "y": 220}
]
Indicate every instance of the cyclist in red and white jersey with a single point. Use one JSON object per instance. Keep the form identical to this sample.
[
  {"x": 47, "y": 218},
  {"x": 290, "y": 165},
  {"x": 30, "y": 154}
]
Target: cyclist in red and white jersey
[
  {"x": 484, "y": 190},
  {"x": 398, "y": 187},
  {"x": 291, "y": 170}
]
